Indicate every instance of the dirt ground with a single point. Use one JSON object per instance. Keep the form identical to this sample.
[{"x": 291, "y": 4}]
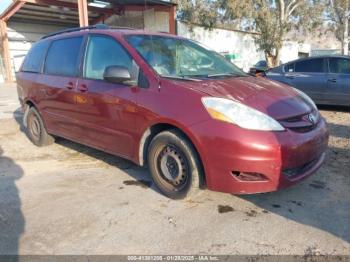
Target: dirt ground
[{"x": 71, "y": 199}]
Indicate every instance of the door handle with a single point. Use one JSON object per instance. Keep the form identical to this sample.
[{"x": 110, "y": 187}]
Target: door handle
[
  {"x": 333, "y": 80},
  {"x": 83, "y": 88},
  {"x": 290, "y": 76},
  {"x": 69, "y": 85}
]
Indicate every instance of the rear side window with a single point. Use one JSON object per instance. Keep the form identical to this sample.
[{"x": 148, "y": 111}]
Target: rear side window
[
  {"x": 35, "y": 57},
  {"x": 103, "y": 52},
  {"x": 339, "y": 65},
  {"x": 310, "y": 66},
  {"x": 62, "y": 57}
]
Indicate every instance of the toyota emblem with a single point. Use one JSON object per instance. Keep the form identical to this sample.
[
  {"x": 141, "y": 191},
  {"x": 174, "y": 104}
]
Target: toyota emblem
[{"x": 311, "y": 118}]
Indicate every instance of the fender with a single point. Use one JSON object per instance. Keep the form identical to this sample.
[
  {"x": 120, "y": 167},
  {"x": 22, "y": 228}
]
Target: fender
[
  {"x": 142, "y": 146},
  {"x": 157, "y": 127}
]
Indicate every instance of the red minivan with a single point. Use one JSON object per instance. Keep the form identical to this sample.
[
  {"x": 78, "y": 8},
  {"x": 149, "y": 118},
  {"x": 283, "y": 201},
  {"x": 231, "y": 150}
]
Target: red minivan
[{"x": 170, "y": 103}]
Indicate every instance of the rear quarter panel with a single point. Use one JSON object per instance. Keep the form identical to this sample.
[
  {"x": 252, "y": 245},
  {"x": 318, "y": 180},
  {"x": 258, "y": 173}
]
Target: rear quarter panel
[{"x": 27, "y": 88}]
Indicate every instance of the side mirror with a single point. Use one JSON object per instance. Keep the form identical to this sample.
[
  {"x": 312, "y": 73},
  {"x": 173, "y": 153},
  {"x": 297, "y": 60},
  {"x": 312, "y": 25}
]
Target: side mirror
[{"x": 116, "y": 74}]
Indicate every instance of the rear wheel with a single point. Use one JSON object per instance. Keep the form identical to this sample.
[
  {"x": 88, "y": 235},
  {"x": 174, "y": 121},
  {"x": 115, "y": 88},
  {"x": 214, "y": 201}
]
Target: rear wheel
[
  {"x": 36, "y": 130},
  {"x": 174, "y": 165}
]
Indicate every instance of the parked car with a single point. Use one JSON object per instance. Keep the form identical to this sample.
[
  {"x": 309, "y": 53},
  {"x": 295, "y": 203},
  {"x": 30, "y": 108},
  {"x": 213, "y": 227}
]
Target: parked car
[
  {"x": 259, "y": 67},
  {"x": 167, "y": 102},
  {"x": 325, "y": 79}
]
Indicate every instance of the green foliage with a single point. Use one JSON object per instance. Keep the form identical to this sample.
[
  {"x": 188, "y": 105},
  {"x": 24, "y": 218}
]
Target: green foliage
[{"x": 202, "y": 12}]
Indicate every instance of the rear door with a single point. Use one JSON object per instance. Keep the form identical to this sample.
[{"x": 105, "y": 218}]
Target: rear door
[
  {"x": 338, "y": 87},
  {"x": 59, "y": 83},
  {"x": 106, "y": 111},
  {"x": 309, "y": 76}
]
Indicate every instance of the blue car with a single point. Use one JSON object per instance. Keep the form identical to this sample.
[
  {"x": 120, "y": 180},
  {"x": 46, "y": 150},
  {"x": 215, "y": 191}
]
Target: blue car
[{"x": 326, "y": 79}]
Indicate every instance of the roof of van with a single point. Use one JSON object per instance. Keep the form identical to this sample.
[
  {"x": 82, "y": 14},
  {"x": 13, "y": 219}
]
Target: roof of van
[{"x": 102, "y": 28}]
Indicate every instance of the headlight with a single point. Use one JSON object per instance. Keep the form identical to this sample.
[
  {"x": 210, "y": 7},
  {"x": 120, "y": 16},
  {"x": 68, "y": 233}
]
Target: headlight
[
  {"x": 239, "y": 114},
  {"x": 306, "y": 98}
]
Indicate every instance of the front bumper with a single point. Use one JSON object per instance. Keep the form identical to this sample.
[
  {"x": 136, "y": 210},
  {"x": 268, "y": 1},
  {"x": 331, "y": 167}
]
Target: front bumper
[{"x": 282, "y": 158}]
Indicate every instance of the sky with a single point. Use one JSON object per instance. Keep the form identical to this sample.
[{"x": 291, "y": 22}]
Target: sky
[{"x": 4, "y": 4}]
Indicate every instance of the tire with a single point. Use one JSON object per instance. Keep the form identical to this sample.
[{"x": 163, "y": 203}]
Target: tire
[
  {"x": 36, "y": 130},
  {"x": 174, "y": 165}
]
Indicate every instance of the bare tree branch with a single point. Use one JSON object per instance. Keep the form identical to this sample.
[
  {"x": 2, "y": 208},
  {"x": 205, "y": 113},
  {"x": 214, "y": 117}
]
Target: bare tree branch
[
  {"x": 292, "y": 9},
  {"x": 282, "y": 10},
  {"x": 289, "y": 6}
]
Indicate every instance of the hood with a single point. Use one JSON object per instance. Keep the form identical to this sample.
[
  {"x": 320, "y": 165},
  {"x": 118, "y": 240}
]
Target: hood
[{"x": 272, "y": 98}]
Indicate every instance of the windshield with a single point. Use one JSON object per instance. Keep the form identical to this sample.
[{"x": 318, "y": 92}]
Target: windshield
[{"x": 181, "y": 58}]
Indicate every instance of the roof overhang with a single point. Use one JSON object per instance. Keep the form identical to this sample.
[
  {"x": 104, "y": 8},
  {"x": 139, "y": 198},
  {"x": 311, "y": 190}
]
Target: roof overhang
[
  {"x": 65, "y": 12},
  {"x": 142, "y": 2}
]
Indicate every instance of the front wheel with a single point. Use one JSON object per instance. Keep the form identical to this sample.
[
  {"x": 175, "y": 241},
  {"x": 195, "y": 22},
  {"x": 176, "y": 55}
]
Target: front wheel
[{"x": 174, "y": 165}]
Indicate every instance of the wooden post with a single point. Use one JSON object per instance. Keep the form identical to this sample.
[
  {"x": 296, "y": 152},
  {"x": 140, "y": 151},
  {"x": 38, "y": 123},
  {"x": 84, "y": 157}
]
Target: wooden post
[
  {"x": 5, "y": 51},
  {"x": 172, "y": 17},
  {"x": 83, "y": 13}
]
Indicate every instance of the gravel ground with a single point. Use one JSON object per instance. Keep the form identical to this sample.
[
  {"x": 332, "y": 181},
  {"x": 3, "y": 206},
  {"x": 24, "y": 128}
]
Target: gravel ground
[{"x": 71, "y": 199}]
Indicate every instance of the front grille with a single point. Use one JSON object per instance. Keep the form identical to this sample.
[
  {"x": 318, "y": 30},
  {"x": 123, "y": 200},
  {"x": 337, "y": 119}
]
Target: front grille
[
  {"x": 294, "y": 172},
  {"x": 302, "y": 123},
  {"x": 303, "y": 129}
]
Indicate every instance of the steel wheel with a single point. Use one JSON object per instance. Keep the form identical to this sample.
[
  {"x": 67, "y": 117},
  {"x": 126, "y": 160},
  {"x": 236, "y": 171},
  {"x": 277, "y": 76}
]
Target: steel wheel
[{"x": 173, "y": 167}]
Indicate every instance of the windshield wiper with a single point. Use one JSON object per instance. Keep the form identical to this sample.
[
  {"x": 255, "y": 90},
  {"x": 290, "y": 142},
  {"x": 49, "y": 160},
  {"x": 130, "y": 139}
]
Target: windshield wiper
[
  {"x": 200, "y": 77},
  {"x": 206, "y": 76},
  {"x": 224, "y": 74},
  {"x": 185, "y": 78}
]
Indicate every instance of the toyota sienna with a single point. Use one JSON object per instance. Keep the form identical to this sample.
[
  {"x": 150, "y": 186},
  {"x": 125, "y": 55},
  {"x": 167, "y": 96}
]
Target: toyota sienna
[{"x": 171, "y": 104}]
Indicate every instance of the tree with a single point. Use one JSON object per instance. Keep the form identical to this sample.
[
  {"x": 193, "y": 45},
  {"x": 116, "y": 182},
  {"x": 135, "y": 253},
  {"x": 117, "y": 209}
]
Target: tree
[
  {"x": 202, "y": 12},
  {"x": 273, "y": 19},
  {"x": 339, "y": 13}
]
